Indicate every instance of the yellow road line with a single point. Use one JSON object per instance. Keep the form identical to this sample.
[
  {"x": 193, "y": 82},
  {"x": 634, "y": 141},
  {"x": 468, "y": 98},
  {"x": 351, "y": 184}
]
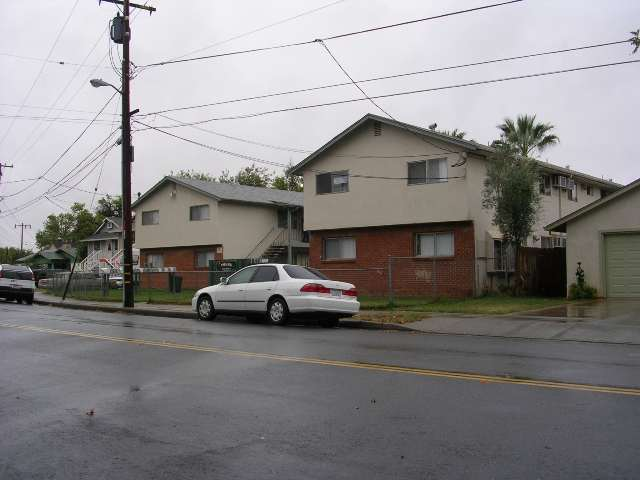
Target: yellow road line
[{"x": 338, "y": 363}]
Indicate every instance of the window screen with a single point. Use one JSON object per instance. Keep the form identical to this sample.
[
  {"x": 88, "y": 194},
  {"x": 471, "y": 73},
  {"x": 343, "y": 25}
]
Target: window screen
[
  {"x": 417, "y": 172},
  {"x": 333, "y": 182},
  {"x": 203, "y": 258},
  {"x": 437, "y": 170},
  {"x": 151, "y": 217},
  {"x": 265, "y": 274},
  {"x": 434, "y": 244},
  {"x": 199, "y": 212},
  {"x": 340, "y": 248}
]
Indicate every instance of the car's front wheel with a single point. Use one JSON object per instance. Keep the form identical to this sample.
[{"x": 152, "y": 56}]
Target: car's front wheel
[
  {"x": 278, "y": 312},
  {"x": 205, "y": 308}
]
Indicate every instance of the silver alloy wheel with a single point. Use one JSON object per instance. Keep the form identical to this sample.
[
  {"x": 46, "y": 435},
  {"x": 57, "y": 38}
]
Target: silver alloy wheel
[
  {"x": 276, "y": 312},
  {"x": 204, "y": 308}
]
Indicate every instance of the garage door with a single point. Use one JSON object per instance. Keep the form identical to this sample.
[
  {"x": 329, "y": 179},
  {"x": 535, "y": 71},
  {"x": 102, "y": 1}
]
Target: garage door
[{"x": 622, "y": 263}]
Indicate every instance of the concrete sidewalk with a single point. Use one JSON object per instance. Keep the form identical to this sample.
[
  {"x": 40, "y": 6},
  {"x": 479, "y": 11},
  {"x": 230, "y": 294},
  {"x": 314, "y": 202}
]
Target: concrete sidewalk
[{"x": 620, "y": 324}]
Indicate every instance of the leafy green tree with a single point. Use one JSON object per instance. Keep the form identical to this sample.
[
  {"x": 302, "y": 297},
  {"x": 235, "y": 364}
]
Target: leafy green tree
[
  {"x": 525, "y": 136},
  {"x": 11, "y": 254},
  {"x": 193, "y": 175},
  {"x": 69, "y": 227},
  {"x": 293, "y": 183},
  {"x": 109, "y": 207},
  {"x": 254, "y": 176},
  {"x": 226, "y": 177},
  {"x": 511, "y": 192}
]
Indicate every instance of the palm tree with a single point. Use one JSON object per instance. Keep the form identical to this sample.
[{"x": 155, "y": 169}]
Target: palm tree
[
  {"x": 525, "y": 135},
  {"x": 455, "y": 133}
]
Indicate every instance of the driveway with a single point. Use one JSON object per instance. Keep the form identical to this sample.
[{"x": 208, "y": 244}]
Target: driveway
[
  {"x": 602, "y": 321},
  {"x": 606, "y": 311}
]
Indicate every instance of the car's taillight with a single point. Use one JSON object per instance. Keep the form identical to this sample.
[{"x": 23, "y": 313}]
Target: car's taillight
[
  {"x": 315, "y": 288},
  {"x": 350, "y": 293}
]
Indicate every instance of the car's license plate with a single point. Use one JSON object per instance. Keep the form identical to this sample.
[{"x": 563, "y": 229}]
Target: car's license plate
[{"x": 336, "y": 293}]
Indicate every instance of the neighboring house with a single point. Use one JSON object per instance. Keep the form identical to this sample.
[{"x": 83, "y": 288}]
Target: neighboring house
[
  {"x": 384, "y": 188},
  {"x": 104, "y": 247},
  {"x": 604, "y": 237},
  {"x": 54, "y": 257},
  {"x": 186, "y": 223}
]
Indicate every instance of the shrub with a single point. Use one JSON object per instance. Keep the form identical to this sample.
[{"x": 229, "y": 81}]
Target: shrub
[{"x": 580, "y": 289}]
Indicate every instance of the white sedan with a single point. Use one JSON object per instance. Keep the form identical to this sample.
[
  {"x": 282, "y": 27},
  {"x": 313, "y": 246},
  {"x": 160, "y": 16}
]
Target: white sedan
[{"x": 278, "y": 291}]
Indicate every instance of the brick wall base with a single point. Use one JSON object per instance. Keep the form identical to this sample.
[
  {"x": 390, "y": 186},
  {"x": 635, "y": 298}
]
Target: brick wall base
[
  {"x": 369, "y": 271},
  {"x": 184, "y": 261}
]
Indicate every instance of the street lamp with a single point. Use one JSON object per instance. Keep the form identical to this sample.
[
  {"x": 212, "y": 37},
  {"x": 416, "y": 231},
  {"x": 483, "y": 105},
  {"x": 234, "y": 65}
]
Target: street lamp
[
  {"x": 127, "y": 155},
  {"x": 98, "y": 82}
]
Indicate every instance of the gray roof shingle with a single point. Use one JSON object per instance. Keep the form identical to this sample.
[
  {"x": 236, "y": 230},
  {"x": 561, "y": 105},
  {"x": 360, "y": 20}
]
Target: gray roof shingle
[{"x": 232, "y": 192}]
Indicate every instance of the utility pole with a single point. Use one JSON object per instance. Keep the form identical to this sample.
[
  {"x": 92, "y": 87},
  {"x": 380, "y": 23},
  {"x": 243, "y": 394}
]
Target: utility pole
[
  {"x": 127, "y": 231},
  {"x": 5, "y": 166},
  {"x": 22, "y": 227}
]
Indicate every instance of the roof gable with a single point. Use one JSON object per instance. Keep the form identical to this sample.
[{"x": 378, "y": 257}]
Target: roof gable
[
  {"x": 561, "y": 224},
  {"x": 423, "y": 132}
]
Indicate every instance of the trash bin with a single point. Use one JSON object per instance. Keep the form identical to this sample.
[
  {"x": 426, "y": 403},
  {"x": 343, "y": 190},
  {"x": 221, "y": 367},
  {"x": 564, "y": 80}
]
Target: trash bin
[{"x": 177, "y": 284}]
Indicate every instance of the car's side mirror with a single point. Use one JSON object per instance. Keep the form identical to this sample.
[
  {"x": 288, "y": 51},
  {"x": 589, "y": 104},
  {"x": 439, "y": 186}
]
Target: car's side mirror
[{"x": 223, "y": 280}]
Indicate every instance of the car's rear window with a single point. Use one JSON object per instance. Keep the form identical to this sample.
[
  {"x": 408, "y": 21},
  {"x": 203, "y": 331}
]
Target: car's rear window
[{"x": 305, "y": 273}]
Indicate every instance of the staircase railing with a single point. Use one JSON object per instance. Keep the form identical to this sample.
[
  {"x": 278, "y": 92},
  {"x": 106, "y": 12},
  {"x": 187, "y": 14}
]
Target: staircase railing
[
  {"x": 256, "y": 251},
  {"x": 89, "y": 262}
]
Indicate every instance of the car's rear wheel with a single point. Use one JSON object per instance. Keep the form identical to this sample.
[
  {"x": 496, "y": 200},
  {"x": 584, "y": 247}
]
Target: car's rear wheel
[
  {"x": 205, "y": 308},
  {"x": 278, "y": 312},
  {"x": 330, "y": 322}
]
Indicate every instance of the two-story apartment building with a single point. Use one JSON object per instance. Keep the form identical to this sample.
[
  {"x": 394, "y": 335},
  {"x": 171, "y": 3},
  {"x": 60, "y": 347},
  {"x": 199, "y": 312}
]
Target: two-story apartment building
[
  {"x": 185, "y": 223},
  {"x": 383, "y": 188}
]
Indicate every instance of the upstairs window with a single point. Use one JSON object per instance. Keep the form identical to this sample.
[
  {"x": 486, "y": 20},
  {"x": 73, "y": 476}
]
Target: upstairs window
[
  {"x": 572, "y": 192},
  {"x": 151, "y": 217},
  {"x": 199, "y": 212},
  {"x": 343, "y": 248},
  {"x": 434, "y": 170},
  {"x": 332, "y": 182},
  {"x": 434, "y": 244},
  {"x": 545, "y": 185},
  {"x": 109, "y": 225}
]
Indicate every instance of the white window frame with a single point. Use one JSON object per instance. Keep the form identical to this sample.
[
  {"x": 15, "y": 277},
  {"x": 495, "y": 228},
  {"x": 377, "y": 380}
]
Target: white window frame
[
  {"x": 435, "y": 235},
  {"x": 339, "y": 239},
  {"x": 155, "y": 217}
]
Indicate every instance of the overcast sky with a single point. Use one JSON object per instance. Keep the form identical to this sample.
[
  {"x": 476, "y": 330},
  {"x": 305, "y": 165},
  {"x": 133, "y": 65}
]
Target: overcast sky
[{"x": 595, "y": 112}]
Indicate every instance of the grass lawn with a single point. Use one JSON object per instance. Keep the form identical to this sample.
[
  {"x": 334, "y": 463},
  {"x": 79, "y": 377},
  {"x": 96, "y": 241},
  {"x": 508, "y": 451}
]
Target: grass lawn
[
  {"x": 148, "y": 295},
  {"x": 488, "y": 305}
]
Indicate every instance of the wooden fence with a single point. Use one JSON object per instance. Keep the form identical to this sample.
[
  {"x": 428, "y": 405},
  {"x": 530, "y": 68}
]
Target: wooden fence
[{"x": 543, "y": 271}]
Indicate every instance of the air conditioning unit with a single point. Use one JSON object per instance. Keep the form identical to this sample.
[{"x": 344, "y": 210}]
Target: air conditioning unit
[{"x": 561, "y": 181}]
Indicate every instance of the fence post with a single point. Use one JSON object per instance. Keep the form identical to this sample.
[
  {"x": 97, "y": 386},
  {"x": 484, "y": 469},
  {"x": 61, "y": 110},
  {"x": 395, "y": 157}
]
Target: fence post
[
  {"x": 390, "y": 279},
  {"x": 434, "y": 286}
]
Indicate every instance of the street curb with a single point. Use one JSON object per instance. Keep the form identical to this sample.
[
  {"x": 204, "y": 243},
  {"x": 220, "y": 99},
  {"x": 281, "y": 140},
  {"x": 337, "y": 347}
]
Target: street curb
[
  {"x": 108, "y": 309},
  {"x": 354, "y": 324}
]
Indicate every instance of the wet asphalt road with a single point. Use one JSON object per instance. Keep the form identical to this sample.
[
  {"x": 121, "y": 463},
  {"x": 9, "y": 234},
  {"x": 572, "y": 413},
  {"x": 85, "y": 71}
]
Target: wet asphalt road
[{"x": 164, "y": 409}]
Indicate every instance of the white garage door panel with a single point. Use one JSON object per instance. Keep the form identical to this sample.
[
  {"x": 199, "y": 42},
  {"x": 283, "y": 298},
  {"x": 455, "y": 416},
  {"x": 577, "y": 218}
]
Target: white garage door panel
[{"x": 622, "y": 263}]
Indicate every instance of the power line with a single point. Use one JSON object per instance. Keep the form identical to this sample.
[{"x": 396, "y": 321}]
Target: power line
[
  {"x": 35, "y": 80},
  {"x": 61, "y": 109},
  {"x": 373, "y": 102},
  {"x": 42, "y": 118},
  {"x": 332, "y": 37},
  {"x": 403, "y": 93},
  {"x": 62, "y": 155},
  {"x": 45, "y": 60},
  {"x": 389, "y": 77},
  {"x": 259, "y": 29},
  {"x": 282, "y": 165}
]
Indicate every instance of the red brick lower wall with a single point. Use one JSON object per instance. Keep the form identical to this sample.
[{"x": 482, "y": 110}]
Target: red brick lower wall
[
  {"x": 184, "y": 261},
  {"x": 444, "y": 277}
]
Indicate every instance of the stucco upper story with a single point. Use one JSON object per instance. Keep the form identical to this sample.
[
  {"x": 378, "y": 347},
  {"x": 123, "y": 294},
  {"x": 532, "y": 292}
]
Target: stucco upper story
[
  {"x": 182, "y": 213},
  {"x": 379, "y": 155}
]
